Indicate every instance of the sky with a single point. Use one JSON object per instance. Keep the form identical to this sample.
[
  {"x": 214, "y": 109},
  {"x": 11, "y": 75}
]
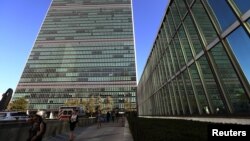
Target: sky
[{"x": 21, "y": 21}]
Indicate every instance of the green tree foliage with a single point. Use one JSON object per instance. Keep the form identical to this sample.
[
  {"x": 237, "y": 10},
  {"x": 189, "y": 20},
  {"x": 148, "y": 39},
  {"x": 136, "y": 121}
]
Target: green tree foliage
[
  {"x": 18, "y": 105},
  {"x": 90, "y": 106},
  {"x": 99, "y": 103},
  {"x": 84, "y": 104},
  {"x": 109, "y": 103},
  {"x": 127, "y": 105},
  {"x": 72, "y": 102}
]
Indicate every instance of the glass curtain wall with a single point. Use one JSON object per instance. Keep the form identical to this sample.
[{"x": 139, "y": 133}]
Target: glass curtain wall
[
  {"x": 84, "y": 51},
  {"x": 199, "y": 63}
]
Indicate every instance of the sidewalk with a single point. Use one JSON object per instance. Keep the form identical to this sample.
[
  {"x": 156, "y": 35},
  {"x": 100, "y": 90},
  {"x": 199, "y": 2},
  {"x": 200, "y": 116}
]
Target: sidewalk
[
  {"x": 243, "y": 120},
  {"x": 108, "y": 132}
]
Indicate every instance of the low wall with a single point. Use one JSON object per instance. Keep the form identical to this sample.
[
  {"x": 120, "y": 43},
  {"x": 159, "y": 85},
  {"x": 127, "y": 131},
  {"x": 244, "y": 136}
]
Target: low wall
[{"x": 18, "y": 131}]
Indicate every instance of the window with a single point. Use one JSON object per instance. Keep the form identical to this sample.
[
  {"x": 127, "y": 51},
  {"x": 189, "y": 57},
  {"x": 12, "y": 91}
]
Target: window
[
  {"x": 190, "y": 93},
  {"x": 240, "y": 44},
  {"x": 204, "y": 22},
  {"x": 176, "y": 16},
  {"x": 229, "y": 78},
  {"x": 193, "y": 35},
  {"x": 181, "y": 6},
  {"x": 211, "y": 86},
  {"x": 199, "y": 88},
  {"x": 248, "y": 23},
  {"x": 223, "y": 13},
  {"x": 244, "y": 6},
  {"x": 185, "y": 44}
]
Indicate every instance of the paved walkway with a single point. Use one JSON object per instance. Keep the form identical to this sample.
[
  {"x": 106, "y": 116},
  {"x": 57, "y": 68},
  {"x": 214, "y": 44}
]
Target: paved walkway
[
  {"x": 108, "y": 132},
  {"x": 243, "y": 121}
]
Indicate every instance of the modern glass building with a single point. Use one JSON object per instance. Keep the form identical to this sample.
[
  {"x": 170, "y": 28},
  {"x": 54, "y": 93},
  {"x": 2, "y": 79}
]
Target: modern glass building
[
  {"x": 199, "y": 63},
  {"x": 85, "y": 48}
]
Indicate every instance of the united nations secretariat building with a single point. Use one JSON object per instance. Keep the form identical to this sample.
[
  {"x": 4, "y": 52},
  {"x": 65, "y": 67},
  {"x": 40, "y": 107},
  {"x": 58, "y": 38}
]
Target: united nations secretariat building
[{"x": 199, "y": 63}]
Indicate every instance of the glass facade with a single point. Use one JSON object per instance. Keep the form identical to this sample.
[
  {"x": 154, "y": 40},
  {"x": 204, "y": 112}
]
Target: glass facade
[
  {"x": 199, "y": 63},
  {"x": 85, "y": 48}
]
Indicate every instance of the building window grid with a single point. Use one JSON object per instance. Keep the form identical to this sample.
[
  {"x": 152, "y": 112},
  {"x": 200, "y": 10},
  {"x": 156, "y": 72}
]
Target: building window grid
[
  {"x": 169, "y": 101},
  {"x": 192, "y": 35},
  {"x": 228, "y": 50},
  {"x": 181, "y": 7},
  {"x": 159, "y": 103},
  {"x": 177, "y": 97},
  {"x": 158, "y": 108},
  {"x": 165, "y": 99},
  {"x": 178, "y": 53},
  {"x": 170, "y": 24},
  {"x": 166, "y": 31},
  {"x": 175, "y": 15},
  {"x": 200, "y": 74},
  {"x": 183, "y": 40},
  {"x": 175, "y": 107},
  {"x": 183, "y": 91},
  {"x": 180, "y": 96},
  {"x": 205, "y": 29},
  {"x": 166, "y": 65},
  {"x": 196, "y": 58},
  {"x": 157, "y": 54},
  {"x": 199, "y": 69},
  {"x": 169, "y": 61},
  {"x": 160, "y": 51},
  {"x": 162, "y": 71},
  {"x": 239, "y": 15},
  {"x": 163, "y": 104},
  {"x": 216, "y": 98},
  {"x": 163, "y": 39}
]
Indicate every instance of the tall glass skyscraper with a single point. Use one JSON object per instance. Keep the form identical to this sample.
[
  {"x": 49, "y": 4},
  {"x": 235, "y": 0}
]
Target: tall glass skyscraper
[
  {"x": 85, "y": 48},
  {"x": 199, "y": 63}
]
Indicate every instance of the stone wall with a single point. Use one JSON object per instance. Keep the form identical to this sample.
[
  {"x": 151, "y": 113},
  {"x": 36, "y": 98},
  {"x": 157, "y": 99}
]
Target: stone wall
[{"x": 18, "y": 131}]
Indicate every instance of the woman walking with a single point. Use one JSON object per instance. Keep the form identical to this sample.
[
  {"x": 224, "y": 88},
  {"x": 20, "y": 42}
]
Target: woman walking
[{"x": 73, "y": 119}]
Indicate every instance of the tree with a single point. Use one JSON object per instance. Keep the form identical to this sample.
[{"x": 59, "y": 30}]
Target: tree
[
  {"x": 20, "y": 104},
  {"x": 91, "y": 105},
  {"x": 127, "y": 104},
  {"x": 109, "y": 103},
  {"x": 84, "y": 104},
  {"x": 99, "y": 103},
  {"x": 72, "y": 102}
]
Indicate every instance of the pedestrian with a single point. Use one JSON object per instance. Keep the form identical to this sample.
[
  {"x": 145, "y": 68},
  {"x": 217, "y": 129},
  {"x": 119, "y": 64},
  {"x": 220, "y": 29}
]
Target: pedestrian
[
  {"x": 38, "y": 128},
  {"x": 32, "y": 129},
  {"x": 108, "y": 116},
  {"x": 117, "y": 116},
  {"x": 73, "y": 119},
  {"x": 99, "y": 119},
  {"x": 113, "y": 116}
]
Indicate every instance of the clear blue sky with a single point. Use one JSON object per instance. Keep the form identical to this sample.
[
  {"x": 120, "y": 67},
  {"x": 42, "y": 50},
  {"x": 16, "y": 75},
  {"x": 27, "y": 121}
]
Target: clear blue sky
[{"x": 20, "y": 22}]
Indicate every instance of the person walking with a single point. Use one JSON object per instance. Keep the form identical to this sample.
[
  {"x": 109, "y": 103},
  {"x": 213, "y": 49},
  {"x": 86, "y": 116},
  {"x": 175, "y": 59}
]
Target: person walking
[
  {"x": 38, "y": 128},
  {"x": 113, "y": 116},
  {"x": 99, "y": 120},
  {"x": 117, "y": 116},
  {"x": 32, "y": 129},
  {"x": 73, "y": 120},
  {"x": 108, "y": 116}
]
